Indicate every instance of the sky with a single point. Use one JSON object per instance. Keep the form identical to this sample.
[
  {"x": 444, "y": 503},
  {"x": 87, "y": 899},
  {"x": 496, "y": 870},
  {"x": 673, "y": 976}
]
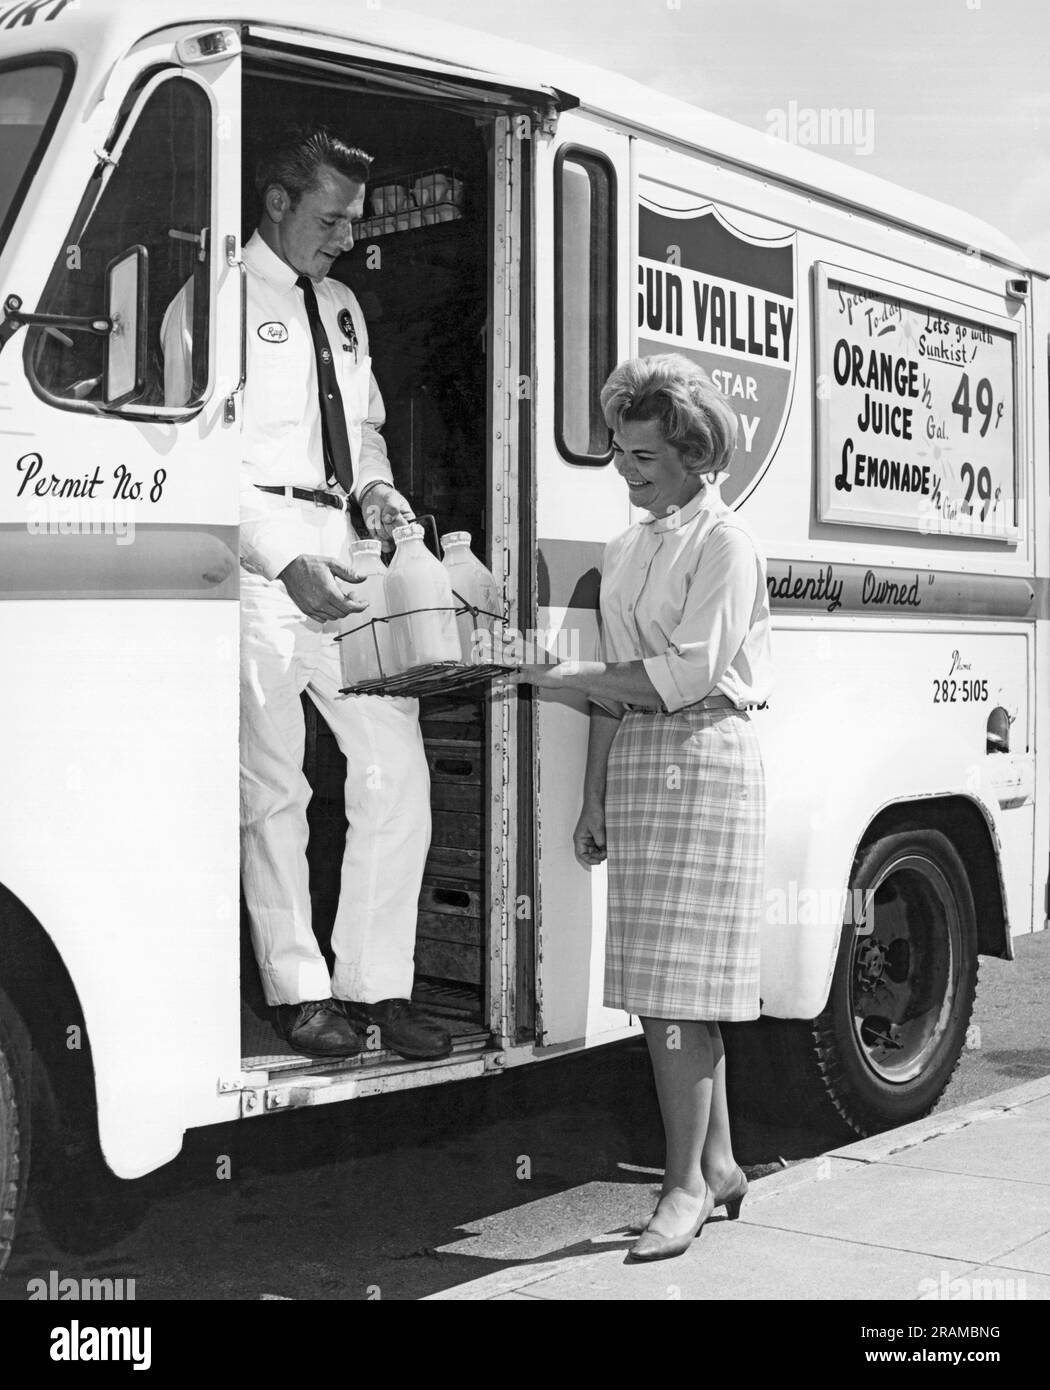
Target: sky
[{"x": 953, "y": 95}]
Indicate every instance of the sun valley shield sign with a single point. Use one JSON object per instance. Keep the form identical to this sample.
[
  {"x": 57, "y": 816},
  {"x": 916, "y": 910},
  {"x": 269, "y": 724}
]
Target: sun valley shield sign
[{"x": 727, "y": 300}]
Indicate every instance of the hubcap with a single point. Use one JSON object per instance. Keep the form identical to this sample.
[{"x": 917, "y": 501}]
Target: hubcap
[{"x": 904, "y": 968}]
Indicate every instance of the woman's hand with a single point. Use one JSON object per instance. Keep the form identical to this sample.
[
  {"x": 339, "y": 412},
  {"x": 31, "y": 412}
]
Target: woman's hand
[
  {"x": 620, "y": 681},
  {"x": 544, "y": 675},
  {"x": 588, "y": 839}
]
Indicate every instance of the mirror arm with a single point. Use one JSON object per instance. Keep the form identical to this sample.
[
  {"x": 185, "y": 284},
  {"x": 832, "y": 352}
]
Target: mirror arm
[{"x": 14, "y": 319}]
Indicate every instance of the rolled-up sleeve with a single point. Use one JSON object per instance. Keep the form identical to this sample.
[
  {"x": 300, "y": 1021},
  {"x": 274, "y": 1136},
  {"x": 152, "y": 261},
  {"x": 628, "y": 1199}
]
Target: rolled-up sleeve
[
  {"x": 270, "y": 536},
  {"x": 714, "y": 622},
  {"x": 373, "y": 465},
  {"x": 600, "y": 653}
]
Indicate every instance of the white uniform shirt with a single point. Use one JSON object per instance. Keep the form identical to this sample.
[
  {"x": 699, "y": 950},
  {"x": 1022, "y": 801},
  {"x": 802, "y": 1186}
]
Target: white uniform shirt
[
  {"x": 687, "y": 594},
  {"x": 281, "y": 438}
]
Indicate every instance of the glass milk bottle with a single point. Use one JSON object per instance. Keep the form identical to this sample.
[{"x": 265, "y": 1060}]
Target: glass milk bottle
[
  {"x": 366, "y": 652},
  {"x": 476, "y": 586},
  {"x": 416, "y": 580}
]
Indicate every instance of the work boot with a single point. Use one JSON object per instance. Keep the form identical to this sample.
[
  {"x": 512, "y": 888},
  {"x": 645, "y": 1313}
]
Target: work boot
[
  {"x": 317, "y": 1028},
  {"x": 403, "y": 1028}
]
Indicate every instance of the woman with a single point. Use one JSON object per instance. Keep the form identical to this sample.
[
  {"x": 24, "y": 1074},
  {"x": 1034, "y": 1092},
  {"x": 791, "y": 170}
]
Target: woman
[{"x": 674, "y": 793}]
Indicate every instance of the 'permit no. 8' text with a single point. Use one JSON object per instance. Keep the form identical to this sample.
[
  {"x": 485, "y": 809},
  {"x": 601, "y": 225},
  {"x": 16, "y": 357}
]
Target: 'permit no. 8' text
[{"x": 126, "y": 488}]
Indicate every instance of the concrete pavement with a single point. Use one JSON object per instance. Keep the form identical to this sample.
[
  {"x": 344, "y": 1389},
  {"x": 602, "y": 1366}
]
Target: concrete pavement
[{"x": 954, "y": 1207}]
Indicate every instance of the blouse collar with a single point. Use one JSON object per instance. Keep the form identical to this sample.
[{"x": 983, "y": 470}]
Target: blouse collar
[{"x": 709, "y": 498}]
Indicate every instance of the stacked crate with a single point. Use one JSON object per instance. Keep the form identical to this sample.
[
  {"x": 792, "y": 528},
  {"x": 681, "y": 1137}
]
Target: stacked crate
[
  {"x": 450, "y": 940},
  {"x": 450, "y": 935}
]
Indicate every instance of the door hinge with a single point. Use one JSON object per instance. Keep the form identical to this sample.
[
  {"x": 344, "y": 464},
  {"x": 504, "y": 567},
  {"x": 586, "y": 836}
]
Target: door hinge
[
  {"x": 548, "y": 122},
  {"x": 239, "y": 1081}
]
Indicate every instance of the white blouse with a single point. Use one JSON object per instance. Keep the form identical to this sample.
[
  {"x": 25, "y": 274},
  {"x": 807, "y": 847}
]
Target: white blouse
[{"x": 686, "y": 593}]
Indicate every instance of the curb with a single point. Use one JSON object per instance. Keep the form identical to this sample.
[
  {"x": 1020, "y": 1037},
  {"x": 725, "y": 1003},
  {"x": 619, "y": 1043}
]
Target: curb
[
  {"x": 876, "y": 1149},
  {"x": 891, "y": 1141}
]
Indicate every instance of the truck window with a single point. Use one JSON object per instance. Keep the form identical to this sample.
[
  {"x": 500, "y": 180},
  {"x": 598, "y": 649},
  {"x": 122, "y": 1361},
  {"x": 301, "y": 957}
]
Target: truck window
[
  {"x": 584, "y": 301},
  {"x": 32, "y": 94},
  {"x": 158, "y": 196}
]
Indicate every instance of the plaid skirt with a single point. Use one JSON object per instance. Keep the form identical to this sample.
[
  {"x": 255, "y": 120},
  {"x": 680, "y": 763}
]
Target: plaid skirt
[{"x": 685, "y": 812}]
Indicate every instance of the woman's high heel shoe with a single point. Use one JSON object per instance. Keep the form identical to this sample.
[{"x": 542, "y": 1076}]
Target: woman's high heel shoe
[
  {"x": 733, "y": 1200},
  {"x": 652, "y": 1246}
]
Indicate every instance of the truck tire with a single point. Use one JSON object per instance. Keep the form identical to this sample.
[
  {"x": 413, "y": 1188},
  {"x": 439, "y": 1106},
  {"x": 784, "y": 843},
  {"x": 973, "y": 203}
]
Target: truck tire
[
  {"x": 887, "y": 1042},
  {"x": 14, "y": 1125},
  {"x": 83, "y": 1206}
]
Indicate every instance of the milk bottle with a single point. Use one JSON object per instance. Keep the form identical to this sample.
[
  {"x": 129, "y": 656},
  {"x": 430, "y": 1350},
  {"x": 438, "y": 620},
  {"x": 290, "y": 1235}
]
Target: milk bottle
[
  {"x": 476, "y": 586},
  {"x": 367, "y": 644},
  {"x": 414, "y": 580}
]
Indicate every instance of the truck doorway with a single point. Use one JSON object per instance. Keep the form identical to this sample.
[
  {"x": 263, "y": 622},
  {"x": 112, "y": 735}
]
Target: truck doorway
[{"x": 421, "y": 269}]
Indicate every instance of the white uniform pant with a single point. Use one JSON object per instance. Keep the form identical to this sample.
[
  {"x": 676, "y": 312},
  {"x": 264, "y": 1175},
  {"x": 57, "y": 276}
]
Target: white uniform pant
[{"x": 387, "y": 806}]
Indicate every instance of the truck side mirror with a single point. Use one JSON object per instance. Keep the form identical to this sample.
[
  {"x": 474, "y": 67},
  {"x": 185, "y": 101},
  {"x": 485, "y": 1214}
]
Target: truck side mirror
[
  {"x": 127, "y": 299},
  {"x": 998, "y": 733}
]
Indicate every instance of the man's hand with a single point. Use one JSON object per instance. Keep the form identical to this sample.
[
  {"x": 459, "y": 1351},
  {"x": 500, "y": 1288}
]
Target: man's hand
[
  {"x": 317, "y": 586},
  {"x": 384, "y": 510}
]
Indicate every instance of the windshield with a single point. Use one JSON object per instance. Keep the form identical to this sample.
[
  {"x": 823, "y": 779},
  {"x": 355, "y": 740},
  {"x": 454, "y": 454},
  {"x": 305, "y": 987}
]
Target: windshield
[{"x": 32, "y": 91}]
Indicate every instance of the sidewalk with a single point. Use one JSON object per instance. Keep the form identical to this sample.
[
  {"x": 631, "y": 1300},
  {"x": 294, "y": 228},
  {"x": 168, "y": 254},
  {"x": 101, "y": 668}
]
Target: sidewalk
[{"x": 956, "y": 1206}]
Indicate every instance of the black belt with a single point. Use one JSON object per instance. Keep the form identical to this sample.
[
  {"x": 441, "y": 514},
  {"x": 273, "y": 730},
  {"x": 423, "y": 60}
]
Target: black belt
[
  {"x": 710, "y": 702},
  {"x": 308, "y": 494}
]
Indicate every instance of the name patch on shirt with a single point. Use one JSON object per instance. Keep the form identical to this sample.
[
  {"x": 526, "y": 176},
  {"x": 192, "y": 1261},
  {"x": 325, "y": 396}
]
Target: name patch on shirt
[{"x": 273, "y": 332}]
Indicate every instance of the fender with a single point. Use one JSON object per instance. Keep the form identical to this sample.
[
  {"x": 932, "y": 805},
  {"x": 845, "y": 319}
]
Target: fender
[
  {"x": 125, "y": 848},
  {"x": 811, "y": 847}
]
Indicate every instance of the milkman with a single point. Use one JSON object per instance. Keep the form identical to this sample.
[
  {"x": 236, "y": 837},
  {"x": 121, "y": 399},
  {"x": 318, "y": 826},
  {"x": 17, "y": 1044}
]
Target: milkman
[{"x": 310, "y": 440}]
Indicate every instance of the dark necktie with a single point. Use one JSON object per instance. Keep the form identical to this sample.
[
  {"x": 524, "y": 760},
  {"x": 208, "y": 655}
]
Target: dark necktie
[{"x": 338, "y": 464}]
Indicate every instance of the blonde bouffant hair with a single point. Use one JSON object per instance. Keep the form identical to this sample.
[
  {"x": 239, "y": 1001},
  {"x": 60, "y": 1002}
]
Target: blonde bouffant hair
[{"x": 694, "y": 416}]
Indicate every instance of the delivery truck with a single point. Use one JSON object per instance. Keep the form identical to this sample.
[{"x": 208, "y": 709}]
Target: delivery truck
[{"x": 530, "y": 222}]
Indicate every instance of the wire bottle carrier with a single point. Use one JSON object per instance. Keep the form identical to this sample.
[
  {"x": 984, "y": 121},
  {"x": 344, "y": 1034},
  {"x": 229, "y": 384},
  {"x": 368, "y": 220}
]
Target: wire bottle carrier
[{"x": 435, "y": 677}]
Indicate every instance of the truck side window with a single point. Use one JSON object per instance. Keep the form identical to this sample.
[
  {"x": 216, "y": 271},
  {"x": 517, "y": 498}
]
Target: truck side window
[
  {"x": 32, "y": 93},
  {"x": 584, "y": 301},
  {"x": 158, "y": 196}
]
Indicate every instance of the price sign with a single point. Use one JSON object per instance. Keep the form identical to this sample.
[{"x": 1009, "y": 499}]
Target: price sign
[{"x": 916, "y": 425}]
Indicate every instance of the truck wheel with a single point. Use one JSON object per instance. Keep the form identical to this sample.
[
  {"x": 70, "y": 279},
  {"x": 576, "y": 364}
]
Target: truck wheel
[
  {"x": 900, "y": 1003},
  {"x": 891, "y": 1034},
  {"x": 14, "y": 1125},
  {"x": 83, "y": 1206}
]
